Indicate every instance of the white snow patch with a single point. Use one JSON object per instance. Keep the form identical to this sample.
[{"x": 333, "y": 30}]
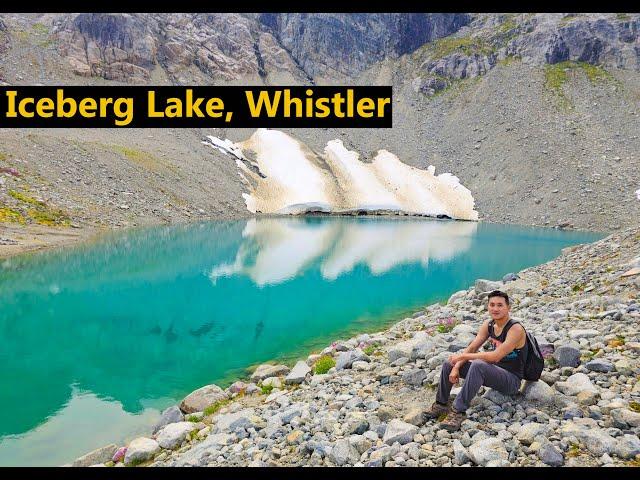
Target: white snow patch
[{"x": 287, "y": 177}]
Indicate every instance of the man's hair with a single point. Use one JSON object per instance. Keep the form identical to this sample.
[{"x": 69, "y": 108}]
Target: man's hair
[{"x": 499, "y": 293}]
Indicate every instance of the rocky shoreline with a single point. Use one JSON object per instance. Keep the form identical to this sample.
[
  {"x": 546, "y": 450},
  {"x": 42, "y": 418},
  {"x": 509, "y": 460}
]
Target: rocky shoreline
[{"x": 368, "y": 408}]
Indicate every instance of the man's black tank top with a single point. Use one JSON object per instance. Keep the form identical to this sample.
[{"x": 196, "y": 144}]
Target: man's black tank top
[{"x": 513, "y": 362}]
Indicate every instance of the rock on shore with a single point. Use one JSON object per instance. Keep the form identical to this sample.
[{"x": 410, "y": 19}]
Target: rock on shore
[{"x": 584, "y": 411}]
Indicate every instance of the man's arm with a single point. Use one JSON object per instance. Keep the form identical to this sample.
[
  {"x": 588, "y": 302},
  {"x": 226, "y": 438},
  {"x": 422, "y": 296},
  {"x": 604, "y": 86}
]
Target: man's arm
[
  {"x": 514, "y": 337},
  {"x": 476, "y": 343}
]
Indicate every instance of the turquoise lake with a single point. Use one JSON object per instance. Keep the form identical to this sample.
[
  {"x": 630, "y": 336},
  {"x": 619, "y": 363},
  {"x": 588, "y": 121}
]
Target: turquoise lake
[{"x": 98, "y": 338}]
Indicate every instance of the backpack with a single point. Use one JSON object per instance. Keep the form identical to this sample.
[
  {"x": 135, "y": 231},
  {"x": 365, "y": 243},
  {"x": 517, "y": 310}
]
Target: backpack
[{"x": 535, "y": 361}]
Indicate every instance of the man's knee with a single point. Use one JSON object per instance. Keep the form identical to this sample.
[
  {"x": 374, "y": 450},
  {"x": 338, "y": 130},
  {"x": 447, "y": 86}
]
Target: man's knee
[
  {"x": 479, "y": 365},
  {"x": 447, "y": 367}
]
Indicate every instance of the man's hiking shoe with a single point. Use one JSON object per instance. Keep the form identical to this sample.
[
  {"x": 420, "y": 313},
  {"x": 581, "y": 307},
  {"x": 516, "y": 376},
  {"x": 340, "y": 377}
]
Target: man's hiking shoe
[
  {"x": 453, "y": 421},
  {"x": 436, "y": 410}
]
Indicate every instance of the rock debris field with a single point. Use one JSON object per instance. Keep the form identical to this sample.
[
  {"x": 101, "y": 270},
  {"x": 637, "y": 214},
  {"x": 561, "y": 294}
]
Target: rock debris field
[{"x": 368, "y": 408}]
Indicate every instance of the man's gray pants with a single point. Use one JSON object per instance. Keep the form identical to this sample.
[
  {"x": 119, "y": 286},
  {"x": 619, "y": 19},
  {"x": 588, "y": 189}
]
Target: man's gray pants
[{"x": 476, "y": 373}]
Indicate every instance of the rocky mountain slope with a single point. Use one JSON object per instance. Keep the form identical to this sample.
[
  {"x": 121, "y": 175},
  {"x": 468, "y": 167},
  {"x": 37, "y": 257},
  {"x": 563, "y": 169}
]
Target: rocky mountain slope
[{"x": 536, "y": 113}]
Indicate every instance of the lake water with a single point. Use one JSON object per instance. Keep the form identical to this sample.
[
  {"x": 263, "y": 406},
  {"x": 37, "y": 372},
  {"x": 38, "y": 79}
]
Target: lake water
[{"x": 97, "y": 339}]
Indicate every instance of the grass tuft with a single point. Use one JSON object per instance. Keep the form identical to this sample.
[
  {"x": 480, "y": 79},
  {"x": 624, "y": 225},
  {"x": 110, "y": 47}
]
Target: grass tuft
[
  {"x": 266, "y": 389},
  {"x": 324, "y": 364},
  {"x": 214, "y": 407}
]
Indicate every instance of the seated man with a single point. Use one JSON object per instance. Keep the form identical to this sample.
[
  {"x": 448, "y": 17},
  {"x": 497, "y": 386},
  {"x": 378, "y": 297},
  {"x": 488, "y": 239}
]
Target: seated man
[{"x": 501, "y": 368}]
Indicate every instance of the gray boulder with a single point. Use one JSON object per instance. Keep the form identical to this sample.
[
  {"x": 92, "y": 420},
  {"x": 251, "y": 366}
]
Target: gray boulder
[
  {"x": 356, "y": 423},
  {"x": 415, "y": 376},
  {"x": 575, "y": 384},
  {"x": 510, "y": 277},
  {"x": 460, "y": 454},
  {"x": 233, "y": 421},
  {"x": 599, "y": 365},
  {"x": 343, "y": 453},
  {"x": 298, "y": 373},
  {"x": 594, "y": 439},
  {"x": 623, "y": 418},
  {"x": 567, "y": 355},
  {"x": 487, "y": 450},
  {"x": 550, "y": 455},
  {"x": 170, "y": 415},
  {"x": 627, "y": 446},
  {"x": 529, "y": 431},
  {"x": 583, "y": 333},
  {"x": 399, "y": 431},
  {"x": 266, "y": 371},
  {"x": 483, "y": 286},
  {"x": 100, "y": 455},
  {"x": 203, "y": 397},
  {"x": 174, "y": 434},
  {"x": 415, "y": 416},
  {"x": 140, "y": 450},
  {"x": 539, "y": 392}
]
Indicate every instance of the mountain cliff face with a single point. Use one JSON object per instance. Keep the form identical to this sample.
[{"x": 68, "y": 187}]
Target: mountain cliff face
[{"x": 536, "y": 113}]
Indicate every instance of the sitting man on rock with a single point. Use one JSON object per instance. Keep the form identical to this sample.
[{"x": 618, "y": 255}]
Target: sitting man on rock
[{"x": 501, "y": 368}]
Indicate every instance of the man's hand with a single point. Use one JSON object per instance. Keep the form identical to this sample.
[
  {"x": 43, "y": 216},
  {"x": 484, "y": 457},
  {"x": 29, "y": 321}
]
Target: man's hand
[
  {"x": 454, "y": 376},
  {"x": 455, "y": 358}
]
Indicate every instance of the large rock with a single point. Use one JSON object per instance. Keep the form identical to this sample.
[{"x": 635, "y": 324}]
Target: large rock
[
  {"x": 624, "y": 367},
  {"x": 627, "y": 446},
  {"x": 174, "y": 434},
  {"x": 575, "y": 384},
  {"x": 567, "y": 355},
  {"x": 100, "y": 455},
  {"x": 583, "y": 333},
  {"x": 415, "y": 376},
  {"x": 624, "y": 418},
  {"x": 539, "y": 392},
  {"x": 595, "y": 440},
  {"x": 483, "y": 286},
  {"x": 399, "y": 431},
  {"x": 416, "y": 416},
  {"x": 487, "y": 450},
  {"x": 233, "y": 421},
  {"x": 460, "y": 454},
  {"x": 356, "y": 423},
  {"x": 203, "y": 397},
  {"x": 170, "y": 415},
  {"x": 529, "y": 431},
  {"x": 550, "y": 455},
  {"x": 140, "y": 450},
  {"x": 298, "y": 373},
  {"x": 346, "y": 359},
  {"x": 266, "y": 371},
  {"x": 343, "y": 452},
  {"x": 599, "y": 365}
]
